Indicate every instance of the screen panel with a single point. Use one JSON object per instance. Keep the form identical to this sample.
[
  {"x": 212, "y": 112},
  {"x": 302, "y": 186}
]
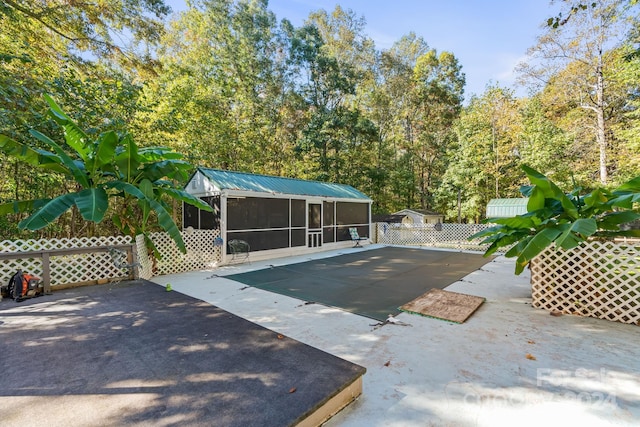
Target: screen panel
[
  {"x": 190, "y": 216},
  {"x": 327, "y": 213},
  {"x": 298, "y": 213},
  {"x": 315, "y": 218},
  {"x": 210, "y": 220},
  {"x": 342, "y": 234},
  {"x": 262, "y": 240},
  {"x": 298, "y": 238},
  {"x": 352, "y": 213},
  {"x": 328, "y": 234},
  {"x": 256, "y": 213}
]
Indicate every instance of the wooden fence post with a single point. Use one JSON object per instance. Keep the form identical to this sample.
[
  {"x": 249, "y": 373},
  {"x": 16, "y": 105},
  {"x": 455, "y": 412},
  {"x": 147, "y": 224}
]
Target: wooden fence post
[{"x": 46, "y": 272}]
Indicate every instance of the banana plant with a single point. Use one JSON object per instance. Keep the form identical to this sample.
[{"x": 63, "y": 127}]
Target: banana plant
[
  {"x": 105, "y": 169},
  {"x": 565, "y": 220}
]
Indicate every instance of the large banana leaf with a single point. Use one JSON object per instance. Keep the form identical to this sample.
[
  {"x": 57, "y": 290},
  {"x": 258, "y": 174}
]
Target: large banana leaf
[
  {"x": 20, "y": 151},
  {"x": 519, "y": 247},
  {"x": 167, "y": 224},
  {"x": 503, "y": 239},
  {"x": 629, "y": 186},
  {"x": 154, "y": 154},
  {"x": 32, "y": 156},
  {"x": 78, "y": 173},
  {"x": 597, "y": 201},
  {"x": 128, "y": 159},
  {"x": 175, "y": 169},
  {"x": 551, "y": 191},
  {"x": 146, "y": 186},
  {"x": 613, "y": 220},
  {"x": 536, "y": 199},
  {"x": 187, "y": 198},
  {"x": 627, "y": 194},
  {"x": 575, "y": 233},
  {"x": 536, "y": 245},
  {"x": 104, "y": 152},
  {"x": 520, "y": 221},
  {"x": 164, "y": 218},
  {"x": 49, "y": 212},
  {"x": 92, "y": 203},
  {"x": 486, "y": 232},
  {"x": 74, "y": 136},
  {"x": 625, "y": 201},
  {"x": 147, "y": 189}
]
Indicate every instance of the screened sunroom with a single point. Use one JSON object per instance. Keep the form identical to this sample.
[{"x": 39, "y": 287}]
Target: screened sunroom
[{"x": 277, "y": 216}]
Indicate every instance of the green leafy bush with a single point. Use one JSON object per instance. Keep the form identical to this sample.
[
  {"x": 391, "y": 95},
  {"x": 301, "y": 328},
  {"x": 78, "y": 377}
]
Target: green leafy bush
[
  {"x": 108, "y": 167},
  {"x": 564, "y": 219}
]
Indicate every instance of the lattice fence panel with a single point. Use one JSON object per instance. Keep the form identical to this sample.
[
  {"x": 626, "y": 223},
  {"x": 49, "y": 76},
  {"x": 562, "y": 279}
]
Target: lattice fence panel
[
  {"x": 67, "y": 268},
  {"x": 596, "y": 279},
  {"x": 10, "y": 246},
  {"x": 449, "y": 236},
  {"x": 202, "y": 253},
  {"x": 145, "y": 271},
  {"x": 82, "y": 268},
  {"x": 9, "y": 267}
]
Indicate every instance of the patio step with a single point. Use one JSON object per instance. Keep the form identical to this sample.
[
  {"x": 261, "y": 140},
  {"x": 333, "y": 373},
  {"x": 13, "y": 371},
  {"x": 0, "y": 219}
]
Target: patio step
[{"x": 334, "y": 404}]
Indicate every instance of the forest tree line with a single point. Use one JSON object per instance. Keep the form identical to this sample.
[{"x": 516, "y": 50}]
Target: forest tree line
[{"x": 232, "y": 86}]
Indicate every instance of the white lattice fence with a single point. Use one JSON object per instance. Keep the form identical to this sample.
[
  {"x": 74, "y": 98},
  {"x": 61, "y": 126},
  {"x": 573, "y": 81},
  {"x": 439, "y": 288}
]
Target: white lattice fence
[
  {"x": 450, "y": 236},
  {"x": 77, "y": 268},
  {"x": 202, "y": 253},
  {"x": 596, "y": 279},
  {"x": 145, "y": 271}
]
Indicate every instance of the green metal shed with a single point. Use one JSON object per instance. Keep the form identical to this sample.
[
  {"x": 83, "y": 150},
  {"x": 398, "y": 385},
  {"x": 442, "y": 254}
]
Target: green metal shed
[{"x": 507, "y": 208}]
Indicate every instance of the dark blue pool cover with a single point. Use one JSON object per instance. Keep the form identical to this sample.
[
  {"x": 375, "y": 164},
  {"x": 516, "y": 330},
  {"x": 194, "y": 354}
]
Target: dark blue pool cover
[{"x": 371, "y": 283}]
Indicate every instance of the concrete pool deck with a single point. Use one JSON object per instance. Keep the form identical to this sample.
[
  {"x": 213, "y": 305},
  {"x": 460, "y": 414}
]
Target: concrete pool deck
[{"x": 508, "y": 364}]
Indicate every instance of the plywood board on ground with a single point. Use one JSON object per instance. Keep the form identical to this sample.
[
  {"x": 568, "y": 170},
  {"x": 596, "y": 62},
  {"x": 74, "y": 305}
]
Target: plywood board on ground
[{"x": 445, "y": 305}]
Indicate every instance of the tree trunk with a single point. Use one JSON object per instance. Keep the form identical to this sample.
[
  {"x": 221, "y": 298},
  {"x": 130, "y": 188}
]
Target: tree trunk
[
  {"x": 494, "y": 141},
  {"x": 601, "y": 135},
  {"x": 422, "y": 188}
]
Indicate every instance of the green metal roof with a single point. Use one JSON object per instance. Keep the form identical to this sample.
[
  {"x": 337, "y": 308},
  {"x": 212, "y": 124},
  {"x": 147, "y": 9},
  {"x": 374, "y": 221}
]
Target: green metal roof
[
  {"x": 229, "y": 180},
  {"x": 507, "y": 208}
]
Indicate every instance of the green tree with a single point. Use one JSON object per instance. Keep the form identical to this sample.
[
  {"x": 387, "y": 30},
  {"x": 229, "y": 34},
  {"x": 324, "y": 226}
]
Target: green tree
[
  {"x": 70, "y": 51},
  {"x": 390, "y": 101},
  {"x": 221, "y": 97},
  {"x": 626, "y": 127},
  {"x": 484, "y": 161},
  {"x": 579, "y": 48},
  {"x": 414, "y": 101},
  {"x": 333, "y": 54},
  {"x": 437, "y": 99},
  {"x": 393, "y": 110},
  {"x": 543, "y": 145},
  {"x": 89, "y": 27}
]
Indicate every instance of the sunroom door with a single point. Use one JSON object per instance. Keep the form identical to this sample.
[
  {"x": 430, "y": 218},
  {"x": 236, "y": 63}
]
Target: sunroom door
[{"x": 314, "y": 225}]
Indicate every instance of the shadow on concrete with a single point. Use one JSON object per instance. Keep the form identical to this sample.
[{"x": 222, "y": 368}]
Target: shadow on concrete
[{"x": 134, "y": 354}]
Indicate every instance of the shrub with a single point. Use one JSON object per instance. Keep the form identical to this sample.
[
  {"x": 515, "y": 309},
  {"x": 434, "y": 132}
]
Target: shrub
[{"x": 565, "y": 220}]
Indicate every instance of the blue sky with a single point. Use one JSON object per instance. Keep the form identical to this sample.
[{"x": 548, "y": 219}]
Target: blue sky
[{"x": 489, "y": 37}]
